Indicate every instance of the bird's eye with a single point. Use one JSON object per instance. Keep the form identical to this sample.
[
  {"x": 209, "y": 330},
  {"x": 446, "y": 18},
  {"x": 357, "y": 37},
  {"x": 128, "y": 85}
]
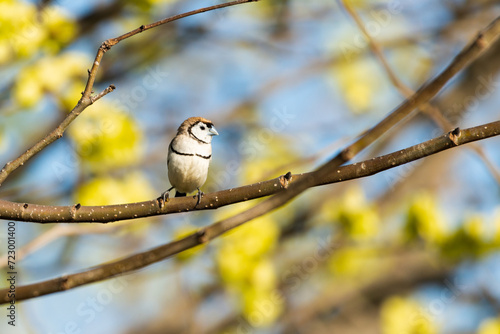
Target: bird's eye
[{"x": 202, "y": 127}]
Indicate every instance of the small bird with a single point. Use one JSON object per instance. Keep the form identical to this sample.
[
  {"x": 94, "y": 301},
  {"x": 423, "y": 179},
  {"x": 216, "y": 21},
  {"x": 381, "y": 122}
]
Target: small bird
[{"x": 189, "y": 155}]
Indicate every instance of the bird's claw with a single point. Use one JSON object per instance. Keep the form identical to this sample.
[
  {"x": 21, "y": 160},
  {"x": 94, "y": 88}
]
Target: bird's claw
[
  {"x": 165, "y": 197},
  {"x": 199, "y": 195}
]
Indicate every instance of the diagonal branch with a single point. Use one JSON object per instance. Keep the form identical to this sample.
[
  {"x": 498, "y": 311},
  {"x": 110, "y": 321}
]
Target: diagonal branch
[
  {"x": 87, "y": 99},
  {"x": 452, "y": 139},
  {"x": 478, "y": 46},
  {"x": 428, "y": 108},
  {"x": 57, "y": 133}
]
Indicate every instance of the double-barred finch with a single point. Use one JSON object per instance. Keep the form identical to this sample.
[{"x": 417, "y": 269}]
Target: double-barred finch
[{"x": 189, "y": 155}]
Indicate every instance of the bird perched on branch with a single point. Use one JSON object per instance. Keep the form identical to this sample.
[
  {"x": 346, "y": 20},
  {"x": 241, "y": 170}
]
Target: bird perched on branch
[{"x": 189, "y": 155}]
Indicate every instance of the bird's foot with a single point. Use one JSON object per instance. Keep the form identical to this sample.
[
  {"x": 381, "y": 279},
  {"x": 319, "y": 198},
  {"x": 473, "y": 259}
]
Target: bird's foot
[
  {"x": 164, "y": 196},
  {"x": 199, "y": 195}
]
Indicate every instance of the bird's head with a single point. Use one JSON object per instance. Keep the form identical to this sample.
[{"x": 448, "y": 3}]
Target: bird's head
[{"x": 200, "y": 128}]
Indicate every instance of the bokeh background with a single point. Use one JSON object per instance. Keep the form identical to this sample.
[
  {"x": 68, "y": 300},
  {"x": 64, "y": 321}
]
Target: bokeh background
[{"x": 287, "y": 83}]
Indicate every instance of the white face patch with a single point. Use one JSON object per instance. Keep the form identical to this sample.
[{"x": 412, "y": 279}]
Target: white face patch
[{"x": 203, "y": 132}]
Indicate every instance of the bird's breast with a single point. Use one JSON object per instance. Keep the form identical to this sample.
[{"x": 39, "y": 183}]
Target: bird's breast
[{"x": 188, "y": 164}]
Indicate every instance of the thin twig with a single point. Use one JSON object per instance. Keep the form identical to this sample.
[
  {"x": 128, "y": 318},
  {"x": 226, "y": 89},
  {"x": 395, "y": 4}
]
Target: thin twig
[
  {"x": 477, "y": 47},
  {"x": 106, "y": 91},
  {"x": 452, "y": 139}
]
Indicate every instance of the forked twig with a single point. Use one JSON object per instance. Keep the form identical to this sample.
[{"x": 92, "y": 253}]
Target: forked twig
[{"x": 87, "y": 98}]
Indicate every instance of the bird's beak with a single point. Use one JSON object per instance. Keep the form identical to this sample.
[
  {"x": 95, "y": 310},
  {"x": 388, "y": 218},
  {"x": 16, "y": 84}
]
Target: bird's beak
[{"x": 213, "y": 132}]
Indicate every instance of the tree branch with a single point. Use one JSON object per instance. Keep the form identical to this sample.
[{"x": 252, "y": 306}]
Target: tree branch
[
  {"x": 87, "y": 98},
  {"x": 452, "y": 139},
  {"x": 109, "y": 213},
  {"x": 481, "y": 43},
  {"x": 429, "y": 109}
]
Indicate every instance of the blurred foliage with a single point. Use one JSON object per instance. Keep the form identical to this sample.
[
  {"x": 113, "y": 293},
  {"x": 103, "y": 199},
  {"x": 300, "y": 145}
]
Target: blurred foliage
[
  {"x": 3, "y": 139},
  {"x": 413, "y": 63},
  {"x": 425, "y": 220},
  {"x": 470, "y": 239},
  {"x": 358, "y": 3},
  {"x": 264, "y": 152},
  {"x": 106, "y": 138},
  {"x": 59, "y": 75},
  {"x": 489, "y": 326},
  {"x": 355, "y": 215},
  {"x": 106, "y": 190},
  {"x": 148, "y": 5},
  {"x": 402, "y": 315},
  {"x": 245, "y": 266},
  {"x": 25, "y": 31},
  {"x": 359, "y": 82},
  {"x": 354, "y": 263}
]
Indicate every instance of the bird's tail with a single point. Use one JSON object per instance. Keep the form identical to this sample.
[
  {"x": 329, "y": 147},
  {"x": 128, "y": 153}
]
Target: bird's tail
[{"x": 178, "y": 194}]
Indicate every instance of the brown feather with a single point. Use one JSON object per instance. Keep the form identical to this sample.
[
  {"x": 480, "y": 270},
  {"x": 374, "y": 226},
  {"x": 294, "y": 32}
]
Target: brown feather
[{"x": 189, "y": 122}]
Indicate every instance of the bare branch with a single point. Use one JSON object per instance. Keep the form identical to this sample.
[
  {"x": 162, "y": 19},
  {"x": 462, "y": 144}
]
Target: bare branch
[
  {"x": 102, "y": 94},
  {"x": 452, "y": 139},
  {"x": 481, "y": 43},
  {"x": 432, "y": 111},
  {"x": 109, "y": 213}
]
